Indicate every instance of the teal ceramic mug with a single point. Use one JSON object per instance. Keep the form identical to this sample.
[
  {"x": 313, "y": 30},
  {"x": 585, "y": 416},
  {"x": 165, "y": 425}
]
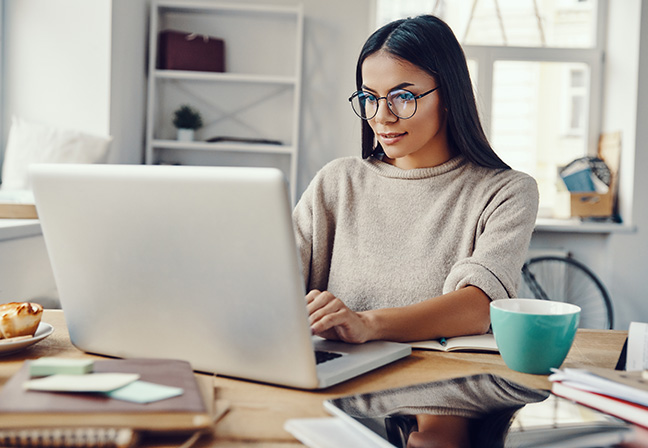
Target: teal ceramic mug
[{"x": 533, "y": 335}]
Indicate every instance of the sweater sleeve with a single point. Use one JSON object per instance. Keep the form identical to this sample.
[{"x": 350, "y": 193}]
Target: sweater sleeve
[
  {"x": 314, "y": 225},
  {"x": 501, "y": 241},
  {"x": 303, "y": 226}
]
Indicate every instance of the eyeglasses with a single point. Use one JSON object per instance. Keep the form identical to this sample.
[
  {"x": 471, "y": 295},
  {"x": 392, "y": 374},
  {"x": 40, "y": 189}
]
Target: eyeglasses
[{"x": 401, "y": 103}]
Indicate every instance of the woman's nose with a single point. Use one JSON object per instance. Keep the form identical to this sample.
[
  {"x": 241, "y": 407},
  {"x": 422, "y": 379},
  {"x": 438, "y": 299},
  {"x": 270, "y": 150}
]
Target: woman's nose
[{"x": 384, "y": 113}]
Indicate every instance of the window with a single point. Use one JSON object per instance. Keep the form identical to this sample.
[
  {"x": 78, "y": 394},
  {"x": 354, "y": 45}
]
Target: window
[
  {"x": 2, "y": 94},
  {"x": 576, "y": 106},
  {"x": 537, "y": 70}
]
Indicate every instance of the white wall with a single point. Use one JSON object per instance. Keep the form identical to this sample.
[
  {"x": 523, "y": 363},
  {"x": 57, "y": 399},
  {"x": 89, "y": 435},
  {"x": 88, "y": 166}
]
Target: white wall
[
  {"x": 57, "y": 71},
  {"x": 25, "y": 271},
  {"x": 80, "y": 65},
  {"x": 57, "y": 66},
  {"x": 334, "y": 32},
  {"x": 621, "y": 259},
  {"x": 96, "y": 82},
  {"x": 628, "y": 253},
  {"x": 129, "y": 33},
  {"x": 95, "y": 55}
]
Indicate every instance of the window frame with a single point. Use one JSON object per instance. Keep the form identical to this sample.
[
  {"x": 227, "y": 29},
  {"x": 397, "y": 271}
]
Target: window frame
[
  {"x": 485, "y": 57},
  {"x": 3, "y": 137},
  {"x": 575, "y": 92}
]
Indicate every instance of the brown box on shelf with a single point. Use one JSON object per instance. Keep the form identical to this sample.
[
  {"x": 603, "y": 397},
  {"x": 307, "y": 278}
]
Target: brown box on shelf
[
  {"x": 179, "y": 50},
  {"x": 17, "y": 211},
  {"x": 590, "y": 205}
]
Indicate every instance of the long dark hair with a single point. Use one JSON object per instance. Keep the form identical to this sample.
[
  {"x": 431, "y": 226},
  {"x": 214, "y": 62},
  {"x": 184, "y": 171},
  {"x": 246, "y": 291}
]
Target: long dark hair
[{"x": 428, "y": 43}]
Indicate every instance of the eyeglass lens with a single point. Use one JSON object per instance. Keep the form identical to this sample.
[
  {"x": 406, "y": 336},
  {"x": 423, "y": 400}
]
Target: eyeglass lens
[{"x": 402, "y": 103}]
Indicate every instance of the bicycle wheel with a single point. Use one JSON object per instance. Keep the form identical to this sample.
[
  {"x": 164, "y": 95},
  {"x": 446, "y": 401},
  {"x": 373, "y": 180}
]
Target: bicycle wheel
[{"x": 564, "y": 279}]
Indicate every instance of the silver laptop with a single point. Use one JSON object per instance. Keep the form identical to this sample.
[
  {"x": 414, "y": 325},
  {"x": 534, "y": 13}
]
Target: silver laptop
[{"x": 194, "y": 263}]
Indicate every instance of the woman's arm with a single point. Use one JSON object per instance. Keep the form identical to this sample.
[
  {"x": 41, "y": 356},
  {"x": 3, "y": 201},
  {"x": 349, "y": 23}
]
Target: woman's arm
[{"x": 462, "y": 312}]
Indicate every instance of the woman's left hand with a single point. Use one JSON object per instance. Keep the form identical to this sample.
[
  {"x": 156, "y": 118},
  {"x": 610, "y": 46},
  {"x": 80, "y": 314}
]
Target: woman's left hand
[{"x": 330, "y": 318}]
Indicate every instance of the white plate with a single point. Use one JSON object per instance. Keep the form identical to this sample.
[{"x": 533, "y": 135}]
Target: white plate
[{"x": 42, "y": 332}]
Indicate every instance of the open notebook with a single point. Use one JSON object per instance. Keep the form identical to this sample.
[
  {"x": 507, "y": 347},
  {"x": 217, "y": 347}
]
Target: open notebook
[{"x": 193, "y": 263}]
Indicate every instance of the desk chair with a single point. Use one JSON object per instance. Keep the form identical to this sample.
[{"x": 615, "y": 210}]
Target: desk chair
[{"x": 567, "y": 280}]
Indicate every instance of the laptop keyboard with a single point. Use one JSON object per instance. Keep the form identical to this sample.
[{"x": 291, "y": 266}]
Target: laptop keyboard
[{"x": 322, "y": 356}]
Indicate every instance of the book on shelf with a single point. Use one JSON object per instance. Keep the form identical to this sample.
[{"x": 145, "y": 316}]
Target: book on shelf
[
  {"x": 579, "y": 181},
  {"x": 28, "y": 409},
  {"x": 480, "y": 342}
]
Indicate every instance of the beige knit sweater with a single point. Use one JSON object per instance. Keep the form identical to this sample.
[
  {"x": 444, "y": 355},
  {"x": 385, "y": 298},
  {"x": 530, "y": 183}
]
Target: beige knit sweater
[{"x": 377, "y": 236}]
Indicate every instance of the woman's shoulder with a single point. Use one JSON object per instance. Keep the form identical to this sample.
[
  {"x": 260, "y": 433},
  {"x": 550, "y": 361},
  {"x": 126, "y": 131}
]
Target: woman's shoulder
[
  {"x": 503, "y": 183},
  {"x": 521, "y": 180},
  {"x": 340, "y": 168},
  {"x": 343, "y": 163},
  {"x": 512, "y": 175},
  {"x": 504, "y": 176}
]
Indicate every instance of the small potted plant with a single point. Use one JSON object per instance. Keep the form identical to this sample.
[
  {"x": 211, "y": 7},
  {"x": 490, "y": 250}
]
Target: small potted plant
[{"x": 187, "y": 119}]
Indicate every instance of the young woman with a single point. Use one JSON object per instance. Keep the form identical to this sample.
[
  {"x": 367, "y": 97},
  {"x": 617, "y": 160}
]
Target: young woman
[{"x": 413, "y": 240}]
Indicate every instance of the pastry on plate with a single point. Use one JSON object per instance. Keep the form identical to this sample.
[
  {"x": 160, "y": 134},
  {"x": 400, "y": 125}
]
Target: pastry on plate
[{"x": 19, "y": 319}]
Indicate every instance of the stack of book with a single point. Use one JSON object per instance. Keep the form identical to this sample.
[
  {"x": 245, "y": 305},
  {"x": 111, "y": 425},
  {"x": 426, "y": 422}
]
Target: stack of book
[
  {"x": 622, "y": 394},
  {"x": 55, "y": 416}
]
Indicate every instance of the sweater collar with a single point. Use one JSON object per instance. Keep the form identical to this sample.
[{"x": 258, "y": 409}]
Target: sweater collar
[{"x": 387, "y": 170}]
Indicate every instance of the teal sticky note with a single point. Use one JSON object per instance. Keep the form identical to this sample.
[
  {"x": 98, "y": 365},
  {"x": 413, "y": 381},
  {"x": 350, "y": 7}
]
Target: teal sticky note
[
  {"x": 145, "y": 392},
  {"x": 92, "y": 382},
  {"x": 53, "y": 366}
]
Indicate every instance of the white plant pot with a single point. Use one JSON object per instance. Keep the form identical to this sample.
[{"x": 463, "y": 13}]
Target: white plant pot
[{"x": 185, "y": 135}]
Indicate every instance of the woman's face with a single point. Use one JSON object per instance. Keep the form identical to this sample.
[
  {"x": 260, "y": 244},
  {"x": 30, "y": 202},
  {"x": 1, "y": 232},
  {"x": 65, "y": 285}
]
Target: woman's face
[{"x": 416, "y": 142}]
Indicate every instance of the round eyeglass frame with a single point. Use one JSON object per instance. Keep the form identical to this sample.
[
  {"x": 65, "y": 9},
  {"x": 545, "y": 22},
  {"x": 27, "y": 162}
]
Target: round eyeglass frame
[{"x": 389, "y": 105}]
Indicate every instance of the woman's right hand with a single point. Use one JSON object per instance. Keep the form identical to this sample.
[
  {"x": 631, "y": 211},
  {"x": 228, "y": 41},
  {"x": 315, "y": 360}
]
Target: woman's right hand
[{"x": 330, "y": 318}]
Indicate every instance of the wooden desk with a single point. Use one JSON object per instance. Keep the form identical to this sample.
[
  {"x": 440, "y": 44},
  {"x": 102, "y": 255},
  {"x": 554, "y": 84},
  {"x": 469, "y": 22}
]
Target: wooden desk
[{"x": 258, "y": 411}]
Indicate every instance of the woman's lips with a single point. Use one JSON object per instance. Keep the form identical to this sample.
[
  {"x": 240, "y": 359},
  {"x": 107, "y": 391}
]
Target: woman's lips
[{"x": 391, "y": 137}]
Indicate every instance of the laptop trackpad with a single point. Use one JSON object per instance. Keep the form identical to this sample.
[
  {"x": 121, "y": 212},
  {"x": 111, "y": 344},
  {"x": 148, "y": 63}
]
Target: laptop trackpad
[{"x": 358, "y": 358}]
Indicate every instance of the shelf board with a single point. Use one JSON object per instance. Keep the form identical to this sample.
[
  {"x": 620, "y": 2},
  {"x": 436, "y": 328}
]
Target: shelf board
[
  {"x": 19, "y": 228},
  {"x": 223, "y": 146},
  {"x": 575, "y": 225},
  {"x": 188, "y": 75},
  {"x": 206, "y": 7}
]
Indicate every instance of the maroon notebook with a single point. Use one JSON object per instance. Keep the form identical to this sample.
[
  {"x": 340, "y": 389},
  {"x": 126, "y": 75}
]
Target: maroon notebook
[{"x": 20, "y": 408}]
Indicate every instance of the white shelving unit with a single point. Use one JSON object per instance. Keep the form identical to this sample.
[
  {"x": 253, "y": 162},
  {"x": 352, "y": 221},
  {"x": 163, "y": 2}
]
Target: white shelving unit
[{"x": 257, "y": 97}]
